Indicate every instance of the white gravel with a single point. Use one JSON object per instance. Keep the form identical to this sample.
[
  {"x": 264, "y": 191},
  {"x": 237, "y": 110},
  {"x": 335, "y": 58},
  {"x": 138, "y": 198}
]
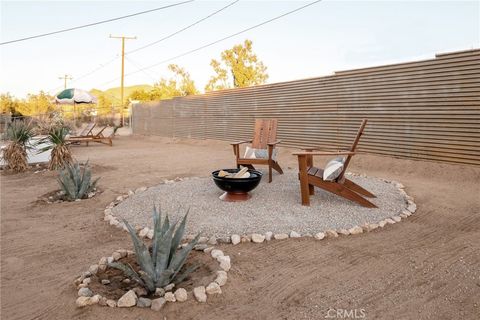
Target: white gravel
[{"x": 273, "y": 207}]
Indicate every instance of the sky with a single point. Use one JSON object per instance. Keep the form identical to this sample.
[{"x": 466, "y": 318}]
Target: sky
[{"x": 326, "y": 37}]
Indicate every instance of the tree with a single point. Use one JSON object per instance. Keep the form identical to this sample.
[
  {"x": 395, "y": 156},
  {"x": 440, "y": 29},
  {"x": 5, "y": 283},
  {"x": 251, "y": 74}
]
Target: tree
[
  {"x": 239, "y": 67},
  {"x": 34, "y": 105},
  {"x": 179, "y": 85},
  {"x": 8, "y": 104}
]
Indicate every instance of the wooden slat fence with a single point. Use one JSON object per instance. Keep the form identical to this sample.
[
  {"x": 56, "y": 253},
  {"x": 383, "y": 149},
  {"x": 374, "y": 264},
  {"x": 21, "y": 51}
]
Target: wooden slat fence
[{"x": 419, "y": 110}]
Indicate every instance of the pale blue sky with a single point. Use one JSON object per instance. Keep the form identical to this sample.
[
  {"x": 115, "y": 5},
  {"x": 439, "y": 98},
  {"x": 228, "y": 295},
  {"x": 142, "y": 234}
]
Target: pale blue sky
[{"x": 326, "y": 37}]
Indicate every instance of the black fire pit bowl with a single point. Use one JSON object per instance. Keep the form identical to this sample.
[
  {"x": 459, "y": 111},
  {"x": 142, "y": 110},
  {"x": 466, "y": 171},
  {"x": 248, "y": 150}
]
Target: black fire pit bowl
[{"x": 237, "y": 189}]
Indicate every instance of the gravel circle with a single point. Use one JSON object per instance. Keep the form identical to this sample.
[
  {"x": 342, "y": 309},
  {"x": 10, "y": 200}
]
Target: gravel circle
[{"x": 273, "y": 207}]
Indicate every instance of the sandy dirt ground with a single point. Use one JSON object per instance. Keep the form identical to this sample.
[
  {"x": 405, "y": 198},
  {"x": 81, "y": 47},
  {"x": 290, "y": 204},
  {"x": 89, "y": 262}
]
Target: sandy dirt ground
[{"x": 427, "y": 267}]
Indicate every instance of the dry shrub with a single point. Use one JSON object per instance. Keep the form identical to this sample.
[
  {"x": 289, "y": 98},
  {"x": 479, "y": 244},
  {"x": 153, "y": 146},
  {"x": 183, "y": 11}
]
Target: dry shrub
[{"x": 15, "y": 157}]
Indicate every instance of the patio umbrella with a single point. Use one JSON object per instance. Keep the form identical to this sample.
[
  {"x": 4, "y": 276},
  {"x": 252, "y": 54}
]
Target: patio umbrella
[{"x": 73, "y": 96}]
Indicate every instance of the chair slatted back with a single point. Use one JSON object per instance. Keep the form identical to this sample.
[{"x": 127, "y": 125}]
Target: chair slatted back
[
  {"x": 265, "y": 132},
  {"x": 353, "y": 148},
  {"x": 88, "y": 129},
  {"x": 100, "y": 133}
]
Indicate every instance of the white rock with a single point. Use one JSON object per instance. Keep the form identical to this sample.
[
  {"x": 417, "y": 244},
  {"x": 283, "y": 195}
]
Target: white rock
[
  {"x": 331, "y": 233},
  {"x": 181, "y": 295},
  {"x": 111, "y": 303},
  {"x": 212, "y": 241},
  {"x": 113, "y": 222},
  {"x": 397, "y": 218},
  {"x": 143, "y": 233},
  {"x": 130, "y": 193},
  {"x": 82, "y": 301},
  {"x": 110, "y": 259},
  {"x": 382, "y": 223},
  {"x": 95, "y": 299},
  {"x": 355, "y": 230},
  {"x": 169, "y": 287},
  {"x": 202, "y": 240},
  {"x": 208, "y": 249},
  {"x": 170, "y": 297},
  {"x": 216, "y": 253},
  {"x": 105, "y": 282},
  {"x": 221, "y": 278},
  {"x": 403, "y": 215},
  {"x": 268, "y": 235},
  {"x": 103, "y": 260},
  {"x": 107, "y": 217},
  {"x": 123, "y": 252},
  {"x": 93, "y": 269},
  {"x": 224, "y": 262},
  {"x": 319, "y": 236},
  {"x": 129, "y": 299},
  {"x": 390, "y": 221},
  {"x": 157, "y": 304},
  {"x": 235, "y": 239},
  {"x": 280, "y": 236},
  {"x": 213, "y": 288},
  {"x": 245, "y": 239},
  {"x": 85, "y": 292},
  {"x": 160, "y": 292},
  {"x": 150, "y": 234},
  {"x": 258, "y": 238},
  {"x": 116, "y": 256},
  {"x": 144, "y": 303},
  {"x": 345, "y": 232},
  {"x": 141, "y": 189},
  {"x": 87, "y": 281},
  {"x": 199, "y": 294},
  {"x": 294, "y": 234},
  {"x": 407, "y": 213},
  {"x": 107, "y": 212},
  {"x": 371, "y": 226},
  {"x": 412, "y": 207}
]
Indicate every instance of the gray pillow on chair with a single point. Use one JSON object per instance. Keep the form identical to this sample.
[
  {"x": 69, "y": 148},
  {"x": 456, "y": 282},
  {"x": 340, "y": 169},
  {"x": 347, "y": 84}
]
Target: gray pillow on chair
[{"x": 333, "y": 169}]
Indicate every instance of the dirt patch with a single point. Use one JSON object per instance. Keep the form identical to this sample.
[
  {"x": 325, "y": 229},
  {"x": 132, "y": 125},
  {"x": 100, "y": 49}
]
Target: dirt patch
[
  {"x": 427, "y": 267},
  {"x": 202, "y": 276}
]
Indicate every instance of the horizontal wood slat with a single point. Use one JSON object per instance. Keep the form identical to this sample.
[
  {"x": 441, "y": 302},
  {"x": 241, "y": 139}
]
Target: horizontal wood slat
[{"x": 426, "y": 110}]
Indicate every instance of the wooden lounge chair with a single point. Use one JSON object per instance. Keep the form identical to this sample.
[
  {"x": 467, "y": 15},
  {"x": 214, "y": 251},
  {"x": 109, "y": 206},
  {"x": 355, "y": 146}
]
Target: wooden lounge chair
[
  {"x": 87, "y": 131},
  {"x": 90, "y": 137},
  {"x": 311, "y": 176},
  {"x": 264, "y": 138}
]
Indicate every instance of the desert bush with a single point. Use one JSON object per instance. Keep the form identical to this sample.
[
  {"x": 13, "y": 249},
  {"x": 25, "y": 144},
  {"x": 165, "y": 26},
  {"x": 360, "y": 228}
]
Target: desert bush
[
  {"x": 57, "y": 142},
  {"x": 15, "y": 154},
  {"x": 163, "y": 266},
  {"x": 75, "y": 182}
]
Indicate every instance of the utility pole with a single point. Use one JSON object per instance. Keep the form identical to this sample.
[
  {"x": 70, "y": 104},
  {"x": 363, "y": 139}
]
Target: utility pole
[
  {"x": 65, "y": 77},
  {"x": 123, "y": 63}
]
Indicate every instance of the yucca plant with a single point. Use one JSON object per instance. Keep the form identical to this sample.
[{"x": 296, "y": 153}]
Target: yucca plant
[
  {"x": 56, "y": 141},
  {"x": 163, "y": 265},
  {"x": 75, "y": 182},
  {"x": 15, "y": 153}
]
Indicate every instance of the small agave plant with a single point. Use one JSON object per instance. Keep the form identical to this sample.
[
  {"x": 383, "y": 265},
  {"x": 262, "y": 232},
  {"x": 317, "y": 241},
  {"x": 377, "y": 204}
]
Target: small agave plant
[
  {"x": 75, "y": 182},
  {"x": 163, "y": 265}
]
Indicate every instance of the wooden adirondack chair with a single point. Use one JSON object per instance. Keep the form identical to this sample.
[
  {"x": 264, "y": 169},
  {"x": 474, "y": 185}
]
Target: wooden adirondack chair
[
  {"x": 265, "y": 137},
  {"x": 311, "y": 176}
]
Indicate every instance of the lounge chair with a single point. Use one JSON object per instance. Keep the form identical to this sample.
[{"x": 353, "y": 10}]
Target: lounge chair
[
  {"x": 335, "y": 182},
  {"x": 263, "y": 150},
  {"x": 90, "y": 137}
]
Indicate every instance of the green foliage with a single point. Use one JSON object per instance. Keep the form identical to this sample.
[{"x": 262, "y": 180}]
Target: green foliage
[
  {"x": 179, "y": 85},
  {"x": 75, "y": 182},
  {"x": 240, "y": 68},
  {"x": 20, "y": 132},
  {"x": 56, "y": 141},
  {"x": 163, "y": 265},
  {"x": 35, "y": 104}
]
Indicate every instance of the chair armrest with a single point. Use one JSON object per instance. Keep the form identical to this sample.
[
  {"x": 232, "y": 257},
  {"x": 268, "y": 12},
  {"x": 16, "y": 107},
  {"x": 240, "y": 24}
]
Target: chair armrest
[
  {"x": 322, "y": 153},
  {"x": 240, "y": 142},
  {"x": 274, "y": 143}
]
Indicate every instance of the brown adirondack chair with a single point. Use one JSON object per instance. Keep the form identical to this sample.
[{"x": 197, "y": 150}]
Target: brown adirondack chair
[
  {"x": 311, "y": 176},
  {"x": 265, "y": 137}
]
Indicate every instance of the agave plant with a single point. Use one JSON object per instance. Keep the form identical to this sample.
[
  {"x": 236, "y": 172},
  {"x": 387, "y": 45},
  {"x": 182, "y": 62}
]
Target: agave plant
[
  {"x": 75, "y": 182},
  {"x": 15, "y": 153},
  {"x": 163, "y": 265},
  {"x": 56, "y": 141}
]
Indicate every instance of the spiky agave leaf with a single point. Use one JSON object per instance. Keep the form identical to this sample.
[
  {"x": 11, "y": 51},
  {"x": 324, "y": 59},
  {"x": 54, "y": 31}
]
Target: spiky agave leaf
[
  {"x": 143, "y": 256},
  {"x": 128, "y": 270},
  {"x": 183, "y": 275},
  {"x": 179, "y": 257},
  {"x": 164, "y": 246},
  {"x": 177, "y": 238}
]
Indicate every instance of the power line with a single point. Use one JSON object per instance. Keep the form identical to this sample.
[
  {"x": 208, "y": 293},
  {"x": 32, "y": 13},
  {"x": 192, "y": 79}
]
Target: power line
[
  {"x": 217, "y": 41},
  {"x": 94, "y": 23},
  {"x": 134, "y": 64},
  {"x": 183, "y": 29}
]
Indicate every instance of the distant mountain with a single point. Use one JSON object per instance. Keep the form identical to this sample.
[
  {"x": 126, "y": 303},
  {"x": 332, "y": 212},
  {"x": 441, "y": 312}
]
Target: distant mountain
[{"x": 115, "y": 92}]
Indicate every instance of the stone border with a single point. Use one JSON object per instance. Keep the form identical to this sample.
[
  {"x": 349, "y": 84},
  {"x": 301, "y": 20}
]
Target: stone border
[
  {"x": 134, "y": 297},
  {"x": 234, "y": 239}
]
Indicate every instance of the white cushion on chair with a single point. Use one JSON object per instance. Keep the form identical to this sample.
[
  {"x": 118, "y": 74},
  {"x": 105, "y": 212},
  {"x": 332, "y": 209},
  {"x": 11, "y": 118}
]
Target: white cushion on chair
[
  {"x": 251, "y": 153},
  {"x": 333, "y": 169}
]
